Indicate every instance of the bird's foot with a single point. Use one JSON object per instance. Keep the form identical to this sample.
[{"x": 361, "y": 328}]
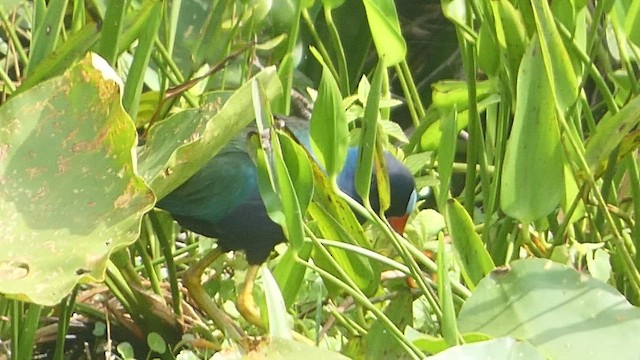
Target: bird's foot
[
  {"x": 191, "y": 279},
  {"x": 246, "y": 304}
]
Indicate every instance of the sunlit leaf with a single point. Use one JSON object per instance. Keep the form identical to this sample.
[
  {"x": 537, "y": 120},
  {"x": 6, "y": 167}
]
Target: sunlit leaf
[
  {"x": 498, "y": 349},
  {"x": 70, "y": 193},
  {"x": 554, "y": 308},
  {"x": 329, "y": 131},
  {"x": 278, "y": 324},
  {"x": 532, "y": 177},
  {"x": 385, "y": 29},
  {"x": 367, "y": 149},
  {"x": 558, "y": 68},
  {"x": 281, "y": 349},
  {"x": 474, "y": 258}
]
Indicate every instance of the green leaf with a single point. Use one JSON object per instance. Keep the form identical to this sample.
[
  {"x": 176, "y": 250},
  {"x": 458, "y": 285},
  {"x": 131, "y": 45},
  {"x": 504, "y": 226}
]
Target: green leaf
[
  {"x": 125, "y": 350},
  {"x": 332, "y": 4},
  {"x": 156, "y": 343},
  {"x": 299, "y": 168},
  {"x": 498, "y": 349},
  {"x": 449, "y": 328},
  {"x": 336, "y": 220},
  {"x": 329, "y": 131},
  {"x": 432, "y": 345},
  {"x": 609, "y": 133},
  {"x": 385, "y": 30},
  {"x": 488, "y": 50},
  {"x": 475, "y": 261},
  {"x": 632, "y": 23},
  {"x": 282, "y": 349},
  {"x": 446, "y": 152},
  {"x": 400, "y": 312},
  {"x": 287, "y": 192},
  {"x": 71, "y": 192},
  {"x": 46, "y": 33},
  {"x": 79, "y": 42},
  {"x": 8, "y": 5},
  {"x": 512, "y": 37},
  {"x": 110, "y": 31},
  {"x": 364, "y": 167},
  {"x": 554, "y": 308},
  {"x": 448, "y": 94},
  {"x": 200, "y": 36},
  {"x": 290, "y": 273},
  {"x": 557, "y": 63},
  {"x": 532, "y": 176},
  {"x": 278, "y": 318},
  {"x": 135, "y": 75},
  {"x": 55, "y": 63},
  {"x": 266, "y": 181}
]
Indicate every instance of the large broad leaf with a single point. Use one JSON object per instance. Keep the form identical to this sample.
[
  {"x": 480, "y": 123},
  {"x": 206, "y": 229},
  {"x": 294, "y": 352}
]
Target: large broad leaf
[
  {"x": 498, "y": 349},
  {"x": 565, "y": 314},
  {"x": 282, "y": 349},
  {"x": 69, "y": 190}
]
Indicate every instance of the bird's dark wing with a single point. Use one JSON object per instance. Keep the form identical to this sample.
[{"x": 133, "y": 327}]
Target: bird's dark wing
[{"x": 224, "y": 183}]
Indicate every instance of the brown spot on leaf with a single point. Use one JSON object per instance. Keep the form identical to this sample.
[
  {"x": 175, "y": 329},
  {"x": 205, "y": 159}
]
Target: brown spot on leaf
[
  {"x": 70, "y": 138},
  {"x": 94, "y": 145},
  {"x": 63, "y": 164},
  {"x": 42, "y": 191},
  {"x": 106, "y": 89},
  {"x": 123, "y": 200},
  {"x": 33, "y": 172}
]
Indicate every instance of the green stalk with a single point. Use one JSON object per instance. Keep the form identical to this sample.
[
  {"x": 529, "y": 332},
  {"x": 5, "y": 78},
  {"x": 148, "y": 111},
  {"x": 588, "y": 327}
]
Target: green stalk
[
  {"x": 135, "y": 77},
  {"x": 167, "y": 249},
  {"x": 319, "y": 43},
  {"x": 404, "y": 85},
  {"x": 66, "y": 311},
  {"x": 47, "y": 31},
  {"x": 17, "y": 309},
  {"x": 10, "y": 28},
  {"x": 150, "y": 270},
  {"x": 342, "y": 59},
  {"x": 111, "y": 28},
  {"x": 28, "y": 331}
]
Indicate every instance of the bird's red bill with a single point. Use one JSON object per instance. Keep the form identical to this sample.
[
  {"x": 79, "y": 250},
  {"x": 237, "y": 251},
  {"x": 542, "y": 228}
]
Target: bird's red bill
[{"x": 398, "y": 223}]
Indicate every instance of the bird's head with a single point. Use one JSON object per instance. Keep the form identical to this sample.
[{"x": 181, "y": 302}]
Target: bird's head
[{"x": 403, "y": 193}]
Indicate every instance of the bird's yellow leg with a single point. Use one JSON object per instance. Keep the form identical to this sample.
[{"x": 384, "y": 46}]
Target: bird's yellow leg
[
  {"x": 192, "y": 280},
  {"x": 246, "y": 304}
]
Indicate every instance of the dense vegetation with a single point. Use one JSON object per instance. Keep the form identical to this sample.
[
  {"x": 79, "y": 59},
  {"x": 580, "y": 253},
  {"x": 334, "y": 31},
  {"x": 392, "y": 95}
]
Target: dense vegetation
[{"x": 518, "y": 119}]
